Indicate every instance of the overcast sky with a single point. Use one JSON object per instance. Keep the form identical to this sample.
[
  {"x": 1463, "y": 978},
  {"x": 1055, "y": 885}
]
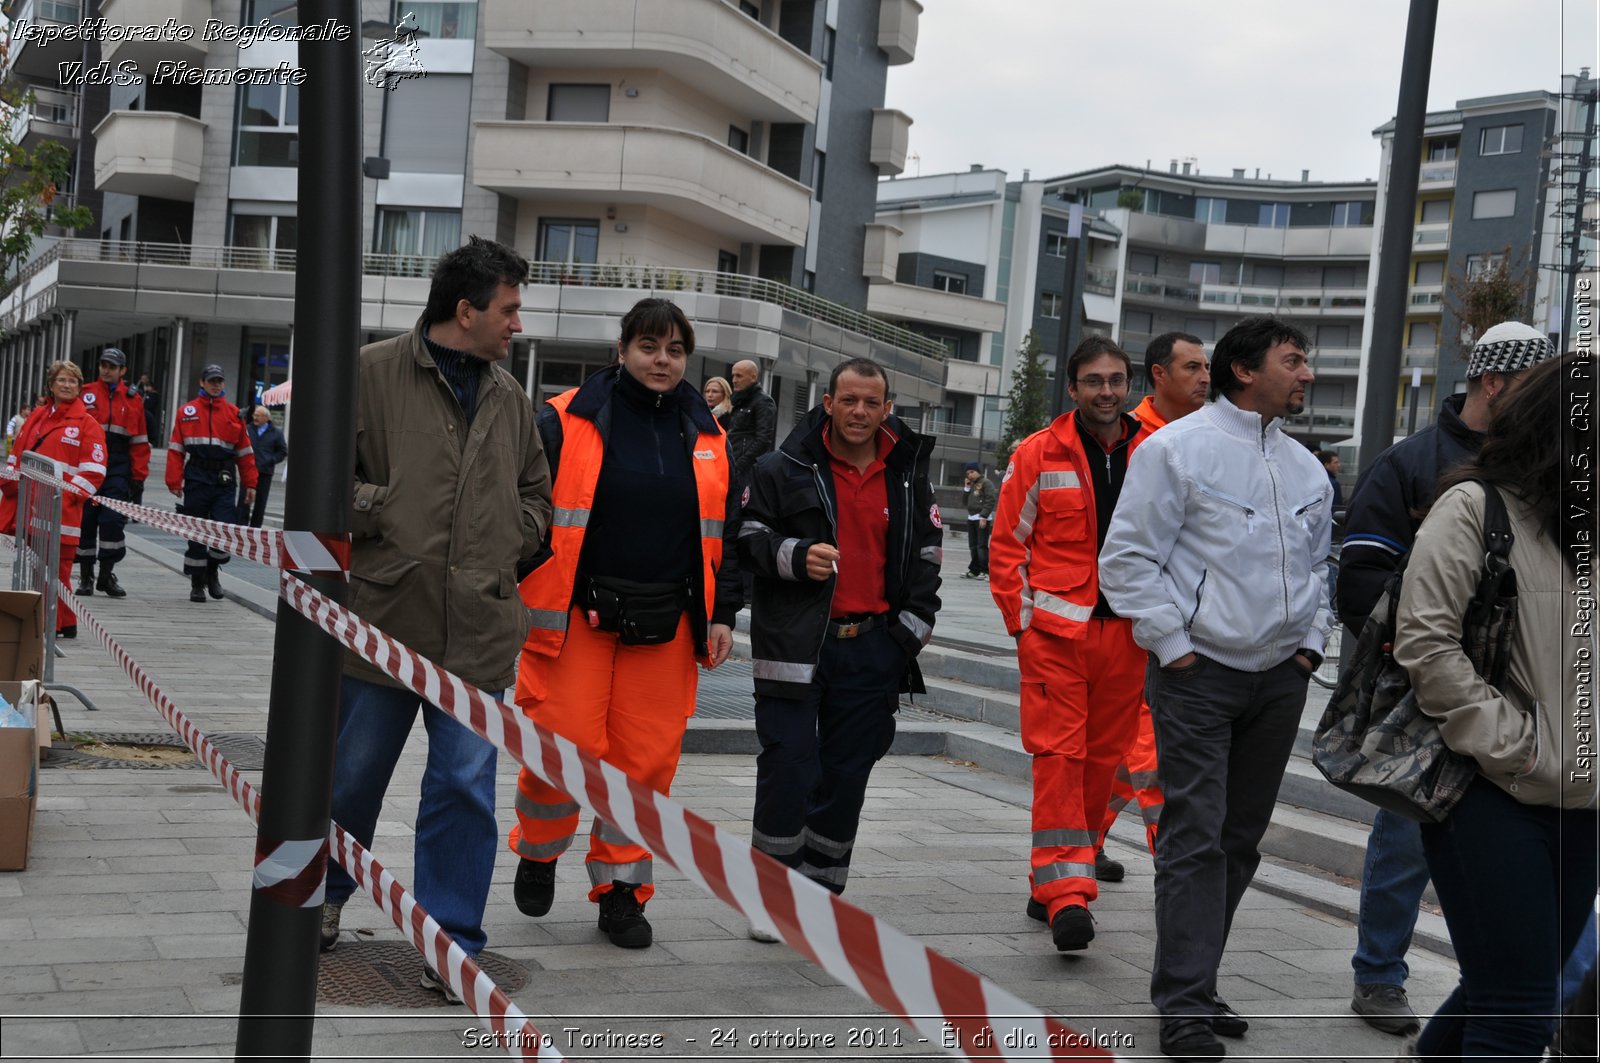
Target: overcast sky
[{"x": 1057, "y": 86}]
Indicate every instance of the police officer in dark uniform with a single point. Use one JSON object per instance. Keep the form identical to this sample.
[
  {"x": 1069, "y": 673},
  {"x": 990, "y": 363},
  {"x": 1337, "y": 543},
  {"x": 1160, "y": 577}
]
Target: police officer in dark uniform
[{"x": 208, "y": 457}]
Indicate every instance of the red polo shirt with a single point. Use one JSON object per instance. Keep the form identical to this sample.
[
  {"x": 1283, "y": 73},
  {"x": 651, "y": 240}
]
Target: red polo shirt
[{"x": 863, "y": 525}]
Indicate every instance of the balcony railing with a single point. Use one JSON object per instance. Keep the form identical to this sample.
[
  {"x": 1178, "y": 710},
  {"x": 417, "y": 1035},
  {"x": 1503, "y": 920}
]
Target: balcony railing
[
  {"x": 1419, "y": 358},
  {"x": 1161, "y": 288},
  {"x": 1325, "y": 417},
  {"x": 1100, "y": 279},
  {"x": 575, "y": 274},
  {"x": 1437, "y": 172},
  {"x": 943, "y": 426}
]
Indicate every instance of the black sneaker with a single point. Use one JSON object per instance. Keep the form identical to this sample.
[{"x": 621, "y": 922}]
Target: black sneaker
[
  {"x": 107, "y": 584},
  {"x": 330, "y": 925},
  {"x": 622, "y": 917},
  {"x": 534, "y": 888},
  {"x": 1384, "y": 1007},
  {"x": 438, "y": 985},
  {"x": 1191, "y": 1041},
  {"x": 85, "y": 586},
  {"x": 1227, "y": 1022},
  {"x": 1038, "y": 911},
  {"x": 1107, "y": 869},
  {"x": 1072, "y": 928}
]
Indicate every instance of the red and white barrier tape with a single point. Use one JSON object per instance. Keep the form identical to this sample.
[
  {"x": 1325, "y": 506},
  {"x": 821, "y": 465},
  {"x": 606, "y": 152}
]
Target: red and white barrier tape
[
  {"x": 925, "y": 990},
  {"x": 296, "y": 551},
  {"x": 512, "y": 1028}
]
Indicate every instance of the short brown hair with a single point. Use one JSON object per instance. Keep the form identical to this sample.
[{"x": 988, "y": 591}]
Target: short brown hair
[{"x": 57, "y": 368}]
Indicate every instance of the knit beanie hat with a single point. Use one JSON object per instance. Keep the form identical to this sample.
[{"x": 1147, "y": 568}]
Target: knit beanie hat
[{"x": 1509, "y": 347}]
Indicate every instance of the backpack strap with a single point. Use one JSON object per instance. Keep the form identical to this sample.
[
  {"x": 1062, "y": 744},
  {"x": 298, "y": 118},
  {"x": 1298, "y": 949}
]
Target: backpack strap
[{"x": 1497, "y": 535}]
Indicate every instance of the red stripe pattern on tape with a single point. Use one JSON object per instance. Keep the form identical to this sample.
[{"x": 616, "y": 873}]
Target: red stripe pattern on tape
[
  {"x": 291, "y": 872},
  {"x": 947, "y": 1003},
  {"x": 488, "y": 1001}
]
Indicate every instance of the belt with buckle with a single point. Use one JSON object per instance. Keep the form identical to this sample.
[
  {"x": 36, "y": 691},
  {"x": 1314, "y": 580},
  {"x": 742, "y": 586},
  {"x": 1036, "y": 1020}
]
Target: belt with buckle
[{"x": 849, "y": 629}]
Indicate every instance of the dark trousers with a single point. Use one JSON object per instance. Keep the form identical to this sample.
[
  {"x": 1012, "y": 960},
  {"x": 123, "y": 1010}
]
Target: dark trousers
[
  {"x": 1223, "y": 739},
  {"x": 817, "y": 753},
  {"x": 978, "y": 542},
  {"x": 213, "y": 502},
  {"x": 258, "y": 512},
  {"x": 102, "y": 527},
  {"x": 1517, "y": 885}
]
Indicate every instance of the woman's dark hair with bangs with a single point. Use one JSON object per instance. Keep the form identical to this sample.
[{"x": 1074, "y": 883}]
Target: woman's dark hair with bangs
[
  {"x": 656, "y": 318},
  {"x": 1525, "y": 452}
]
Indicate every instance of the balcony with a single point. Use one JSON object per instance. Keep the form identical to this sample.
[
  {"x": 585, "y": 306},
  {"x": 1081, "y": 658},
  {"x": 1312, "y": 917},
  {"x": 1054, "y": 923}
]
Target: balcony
[
  {"x": 1336, "y": 360},
  {"x": 1423, "y": 358},
  {"x": 881, "y": 259},
  {"x": 930, "y": 306},
  {"x": 155, "y": 13},
  {"x": 148, "y": 153},
  {"x": 1425, "y": 299},
  {"x": 708, "y": 44},
  {"x": 897, "y": 30},
  {"x": 1434, "y": 235},
  {"x": 30, "y": 58},
  {"x": 1325, "y": 417},
  {"x": 1102, "y": 280},
  {"x": 1436, "y": 175},
  {"x": 1147, "y": 287},
  {"x": 685, "y": 173},
  {"x": 971, "y": 378},
  {"x": 51, "y": 115},
  {"x": 891, "y": 138}
]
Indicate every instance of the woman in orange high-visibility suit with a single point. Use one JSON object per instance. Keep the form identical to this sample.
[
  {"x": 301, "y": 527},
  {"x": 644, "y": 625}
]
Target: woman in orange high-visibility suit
[
  {"x": 66, "y": 431},
  {"x": 637, "y": 584}
]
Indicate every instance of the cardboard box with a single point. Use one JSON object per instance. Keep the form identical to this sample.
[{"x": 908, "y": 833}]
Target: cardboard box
[
  {"x": 21, "y": 635},
  {"x": 19, "y": 780}
]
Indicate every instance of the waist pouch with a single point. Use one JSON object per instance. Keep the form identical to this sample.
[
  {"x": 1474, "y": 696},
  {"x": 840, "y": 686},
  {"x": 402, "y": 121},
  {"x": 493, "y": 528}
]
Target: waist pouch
[{"x": 641, "y": 614}]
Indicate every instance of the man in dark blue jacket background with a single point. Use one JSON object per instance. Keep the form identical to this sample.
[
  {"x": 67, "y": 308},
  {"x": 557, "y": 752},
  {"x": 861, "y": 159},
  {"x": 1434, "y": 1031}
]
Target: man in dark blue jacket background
[{"x": 271, "y": 450}]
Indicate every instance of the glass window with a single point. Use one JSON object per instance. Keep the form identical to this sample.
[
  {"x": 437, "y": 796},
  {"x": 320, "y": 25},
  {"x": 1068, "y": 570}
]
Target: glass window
[
  {"x": 1435, "y": 211},
  {"x": 1138, "y": 321},
  {"x": 1211, "y": 210},
  {"x": 1500, "y": 204},
  {"x": 1443, "y": 149},
  {"x": 750, "y": 9},
  {"x": 738, "y": 140},
  {"x": 1340, "y": 277},
  {"x": 1055, "y": 244},
  {"x": 418, "y": 232},
  {"x": 1142, "y": 262},
  {"x": 1205, "y": 272},
  {"x": 1347, "y": 215},
  {"x": 1423, "y": 334},
  {"x": 1430, "y": 272},
  {"x": 1333, "y": 335},
  {"x": 1268, "y": 276},
  {"x": 570, "y": 241},
  {"x": 1478, "y": 265},
  {"x": 1204, "y": 327},
  {"x": 268, "y": 126},
  {"x": 819, "y": 170},
  {"x": 57, "y": 11},
  {"x": 579, "y": 103},
  {"x": 950, "y": 282},
  {"x": 1050, "y": 305},
  {"x": 1500, "y": 140},
  {"x": 827, "y": 52},
  {"x": 440, "y": 21},
  {"x": 1273, "y": 215},
  {"x": 277, "y": 12}
]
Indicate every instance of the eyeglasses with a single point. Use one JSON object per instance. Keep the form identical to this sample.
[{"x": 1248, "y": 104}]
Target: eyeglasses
[{"x": 1095, "y": 383}]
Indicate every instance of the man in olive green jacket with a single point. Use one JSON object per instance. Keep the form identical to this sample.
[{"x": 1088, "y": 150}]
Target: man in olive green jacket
[{"x": 452, "y": 491}]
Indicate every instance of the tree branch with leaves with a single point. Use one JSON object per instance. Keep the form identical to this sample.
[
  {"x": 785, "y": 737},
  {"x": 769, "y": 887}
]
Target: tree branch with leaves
[
  {"x": 1029, "y": 401},
  {"x": 1501, "y": 290}
]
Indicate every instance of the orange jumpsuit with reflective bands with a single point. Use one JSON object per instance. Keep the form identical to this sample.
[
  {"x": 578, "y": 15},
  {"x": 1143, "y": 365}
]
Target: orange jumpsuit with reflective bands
[
  {"x": 1082, "y": 675},
  {"x": 626, "y": 704}
]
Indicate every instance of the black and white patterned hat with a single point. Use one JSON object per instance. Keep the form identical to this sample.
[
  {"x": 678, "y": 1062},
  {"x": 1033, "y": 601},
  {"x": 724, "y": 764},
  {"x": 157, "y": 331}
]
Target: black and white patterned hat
[{"x": 1509, "y": 347}]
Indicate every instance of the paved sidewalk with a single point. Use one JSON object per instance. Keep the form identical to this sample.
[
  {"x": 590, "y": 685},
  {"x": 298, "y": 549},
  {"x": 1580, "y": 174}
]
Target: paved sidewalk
[{"x": 126, "y": 934}]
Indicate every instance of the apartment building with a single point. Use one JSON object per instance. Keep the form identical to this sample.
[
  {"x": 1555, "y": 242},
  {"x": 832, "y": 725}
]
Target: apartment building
[
  {"x": 1481, "y": 200},
  {"x": 723, "y": 152},
  {"x": 1156, "y": 251}
]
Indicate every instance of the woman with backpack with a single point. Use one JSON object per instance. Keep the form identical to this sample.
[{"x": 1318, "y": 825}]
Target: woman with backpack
[{"x": 1514, "y": 862}]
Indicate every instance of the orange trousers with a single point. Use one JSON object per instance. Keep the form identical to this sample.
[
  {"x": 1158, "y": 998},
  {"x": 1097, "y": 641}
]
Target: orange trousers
[
  {"x": 1080, "y": 713},
  {"x": 625, "y": 704},
  {"x": 1136, "y": 780}
]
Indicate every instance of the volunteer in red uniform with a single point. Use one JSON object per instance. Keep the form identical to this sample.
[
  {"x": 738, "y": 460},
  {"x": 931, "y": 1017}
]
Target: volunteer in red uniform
[
  {"x": 209, "y": 452},
  {"x": 635, "y": 587},
  {"x": 68, "y": 433},
  {"x": 1082, "y": 674},
  {"x": 1175, "y": 365},
  {"x": 120, "y": 411}
]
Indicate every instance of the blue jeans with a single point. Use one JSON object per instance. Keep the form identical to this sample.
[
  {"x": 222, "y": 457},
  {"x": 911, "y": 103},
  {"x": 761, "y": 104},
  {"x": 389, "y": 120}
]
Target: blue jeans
[
  {"x": 1517, "y": 885},
  {"x": 1393, "y": 877},
  {"x": 1578, "y": 964},
  {"x": 457, "y": 838}
]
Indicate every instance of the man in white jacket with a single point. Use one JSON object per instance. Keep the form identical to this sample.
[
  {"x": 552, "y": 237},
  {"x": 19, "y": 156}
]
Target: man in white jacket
[{"x": 1218, "y": 553}]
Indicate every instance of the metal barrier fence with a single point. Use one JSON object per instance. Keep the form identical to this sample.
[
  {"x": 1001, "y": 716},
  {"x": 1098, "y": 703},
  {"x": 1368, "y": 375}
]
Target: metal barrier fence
[{"x": 37, "y": 564}]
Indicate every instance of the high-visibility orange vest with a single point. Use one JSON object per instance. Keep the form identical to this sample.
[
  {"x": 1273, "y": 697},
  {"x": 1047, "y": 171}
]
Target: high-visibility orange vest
[{"x": 547, "y": 591}]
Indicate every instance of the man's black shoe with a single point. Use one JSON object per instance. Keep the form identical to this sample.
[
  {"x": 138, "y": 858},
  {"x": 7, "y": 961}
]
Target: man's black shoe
[
  {"x": 213, "y": 582},
  {"x": 68, "y": 632},
  {"x": 1038, "y": 911},
  {"x": 85, "y": 581},
  {"x": 107, "y": 584},
  {"x": 1191, "y": 1041},
  {"x": 197, "y": 587},
  {"x": 1107, "y": 869},
  {"x": 622, "y": 917},
  {"x": 534, "y": 888},
  {"x": 1227, "y": 1022},
  {"x": 1072, "y": 928}
]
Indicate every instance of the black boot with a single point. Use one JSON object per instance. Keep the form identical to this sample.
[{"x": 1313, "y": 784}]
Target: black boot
[
  {"x": 85, "y": 579},
  {"x": 197, "y": 585},
  {"x": 107, "y": 583},
  {"x": 213, "y": 583}
]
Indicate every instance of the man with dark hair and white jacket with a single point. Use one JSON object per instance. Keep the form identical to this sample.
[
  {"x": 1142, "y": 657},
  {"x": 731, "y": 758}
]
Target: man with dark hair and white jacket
[{"x": 1218, "y": 554}]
